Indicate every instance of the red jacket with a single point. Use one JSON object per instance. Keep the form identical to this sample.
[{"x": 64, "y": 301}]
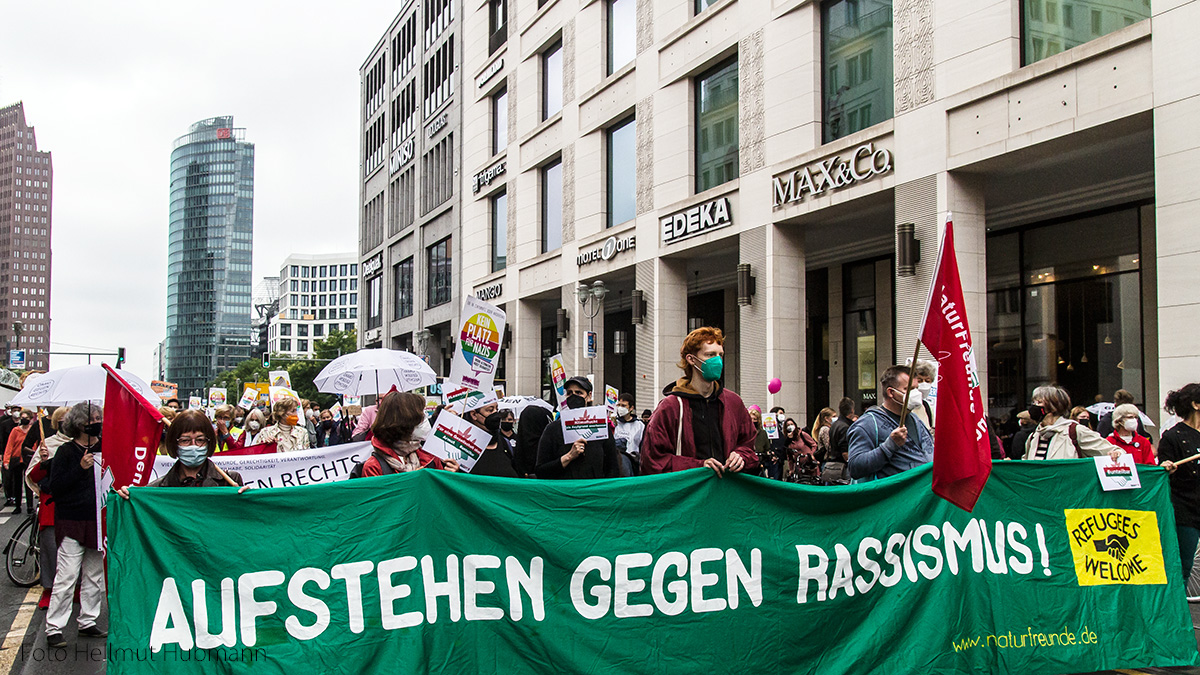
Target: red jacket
[
  {"x": 1138, "y": 446},
  {"x": 658, "y": 444},
  {"x": 371, "y": 465},
  {"x": 45, "y": 506}
]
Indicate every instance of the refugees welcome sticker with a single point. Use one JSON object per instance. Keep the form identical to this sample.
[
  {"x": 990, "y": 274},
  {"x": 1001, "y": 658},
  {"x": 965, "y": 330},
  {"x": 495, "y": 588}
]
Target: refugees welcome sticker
[{"x": 1115, "y": 546}]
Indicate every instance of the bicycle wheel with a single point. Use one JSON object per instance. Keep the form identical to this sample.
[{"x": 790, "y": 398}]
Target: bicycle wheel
[
  {"x": 22, "y": 557},
  {"x": 1193, "y": 581}
]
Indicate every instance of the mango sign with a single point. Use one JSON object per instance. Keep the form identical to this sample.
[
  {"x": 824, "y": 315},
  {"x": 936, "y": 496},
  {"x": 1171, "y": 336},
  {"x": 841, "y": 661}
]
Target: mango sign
[{"x": 474, "y": 362}]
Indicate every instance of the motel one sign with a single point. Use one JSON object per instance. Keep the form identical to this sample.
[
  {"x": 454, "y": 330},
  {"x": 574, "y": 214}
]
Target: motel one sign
[{"x": 831, "y": 174}]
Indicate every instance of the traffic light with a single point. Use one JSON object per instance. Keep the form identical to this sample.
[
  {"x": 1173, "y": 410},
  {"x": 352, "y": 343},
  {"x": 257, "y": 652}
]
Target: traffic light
[
  {"x": 120, "y": 356},
  {"x": 266, "y": 360}
]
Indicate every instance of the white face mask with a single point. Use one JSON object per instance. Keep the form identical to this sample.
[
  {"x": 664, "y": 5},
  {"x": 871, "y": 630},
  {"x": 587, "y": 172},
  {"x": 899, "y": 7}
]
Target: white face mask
[
  {"x": 1131, "y": 424},
  {"x": 253, "y": 426},
  {"x": 924, "y": 387},
  {"x": 622, "y": 411},
  {"x": 422, "y": 431},
  {"x": 914, "y": 399}
]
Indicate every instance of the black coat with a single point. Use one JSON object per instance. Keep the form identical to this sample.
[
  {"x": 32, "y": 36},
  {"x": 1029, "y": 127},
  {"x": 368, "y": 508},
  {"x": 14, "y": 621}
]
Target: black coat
[
  {"x": 533, "y": 422},
  {"x": 599, "y": 458},
  {"x": 73, "y": 486}
]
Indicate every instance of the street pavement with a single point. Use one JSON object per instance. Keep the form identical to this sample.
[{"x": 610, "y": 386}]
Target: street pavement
[{"x": 23, "y": 651}]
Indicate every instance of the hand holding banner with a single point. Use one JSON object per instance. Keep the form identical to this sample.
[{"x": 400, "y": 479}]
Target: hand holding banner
[
  {"x": 457, "y": 439},
  {"x": 587, "y": 424}
]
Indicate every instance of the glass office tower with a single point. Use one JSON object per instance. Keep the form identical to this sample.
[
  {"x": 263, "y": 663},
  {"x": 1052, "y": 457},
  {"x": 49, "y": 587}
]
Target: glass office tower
[{"x": 210, "y": 244}]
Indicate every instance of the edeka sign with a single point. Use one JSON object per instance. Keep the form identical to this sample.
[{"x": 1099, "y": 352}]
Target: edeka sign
[
  {"x": 831, "y": 174},
  {"x": 430, "y": 571},
  {"x": 611, "y": 247},
  {"x": 696, "y": 220}
]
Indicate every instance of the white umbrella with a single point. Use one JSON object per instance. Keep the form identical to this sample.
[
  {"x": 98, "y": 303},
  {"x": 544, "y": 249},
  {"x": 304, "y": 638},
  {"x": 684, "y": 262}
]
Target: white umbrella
[
  {"x": 374, "y": 371},
  {"x": 520, "y": 403},
  {"x": 1104, "y": 407},
  {"x": 73, "y": 385}
]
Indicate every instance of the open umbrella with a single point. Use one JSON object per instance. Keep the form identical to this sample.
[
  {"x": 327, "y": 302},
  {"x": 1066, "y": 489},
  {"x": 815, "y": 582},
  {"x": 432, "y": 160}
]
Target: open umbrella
[
  {"x": 374, "y": 371},
  {"x": 65, "y": 386},
  {"x": 519, "y": 403},
  {"x": 1104, "y": 407}
]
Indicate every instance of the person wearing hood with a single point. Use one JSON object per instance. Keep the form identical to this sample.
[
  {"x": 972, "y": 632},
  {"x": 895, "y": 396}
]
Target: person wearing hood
[
  {"x": 534, "y": 420},
  {"x": 581, "y": 459},
  {"x": 497, "y": 459},
  {"x": 1057, "y": 436},
  {"x": 627, "y": 434},
  {"x": 879, "y": 445},
  {"x": 699, "y": 422},
  {"x": 289, "y": 432},
  {"x": 329, "y": 431},
  {"x": 397, "y": 433}
]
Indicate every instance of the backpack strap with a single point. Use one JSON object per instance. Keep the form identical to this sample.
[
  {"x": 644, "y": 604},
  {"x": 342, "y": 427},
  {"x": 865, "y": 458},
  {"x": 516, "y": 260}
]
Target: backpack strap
[
  {"x": 1074, "y": 438},
  {"x": 679, "y": 431}
]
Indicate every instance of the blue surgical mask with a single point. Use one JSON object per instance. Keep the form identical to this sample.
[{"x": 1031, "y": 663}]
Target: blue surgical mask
[{"x": 192, "y": 455}]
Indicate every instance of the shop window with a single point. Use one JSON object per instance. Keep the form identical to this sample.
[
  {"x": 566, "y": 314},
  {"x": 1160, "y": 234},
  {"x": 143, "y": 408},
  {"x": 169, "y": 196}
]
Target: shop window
[
  {"x": 856, "y": 49},
  {"x": 1066, "y": 315},
  {"x": 404, "y": 288},
  {"x": 1048, "y": 28},
  {"x": 622, "y": 33},
  {"x": 717, "y": 126},
  {"x": 622, "y": 173},
  {"x": 499, "y": 231},
  {"x": 439, "y": 272},
  {"x": 552, "y": 203},
  {"x": 375, "y": 302},
  {"x": 858, "y": 295}
]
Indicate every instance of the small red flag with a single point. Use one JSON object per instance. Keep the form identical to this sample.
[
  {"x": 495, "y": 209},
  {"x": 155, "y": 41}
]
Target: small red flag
[
  {"x": 131, "y": 432},
  {"x": 962, "y": 456}
]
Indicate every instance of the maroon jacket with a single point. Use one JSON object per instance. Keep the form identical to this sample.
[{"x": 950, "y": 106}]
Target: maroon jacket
[{"x": 658, "y": 445}]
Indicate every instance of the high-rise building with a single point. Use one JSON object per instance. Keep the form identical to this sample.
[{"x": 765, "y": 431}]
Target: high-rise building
[
  {"x": 266, "y": 306},
  {"x": 411, "y": 131},
  {"x": 26, "y": 186},
  {"x": 318, "y": 294},
  {"x": 211, "y": 241}
]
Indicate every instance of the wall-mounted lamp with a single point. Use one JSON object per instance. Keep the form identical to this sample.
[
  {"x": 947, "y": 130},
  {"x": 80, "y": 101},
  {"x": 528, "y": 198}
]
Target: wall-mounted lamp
[
  {"x": 561, "y": 323},
  {"x": 423, "y": 337},
  {"x": 639, "y": 307},
  {"x": 908, "y": 250},
  {"x": 620, "y": 342},
  {"x": 746, "y": 285}
]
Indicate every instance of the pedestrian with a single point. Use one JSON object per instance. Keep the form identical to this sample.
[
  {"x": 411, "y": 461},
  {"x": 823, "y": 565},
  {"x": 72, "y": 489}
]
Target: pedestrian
[
  {"x": 223, "y": 418},
  {"x": 173, "y": 404},
  {"x": 507, "y": 428},
  {"x": 75, "y": 529},
  {"x": 1026, "y": 425},
  {"x": 255, "y": 422},
  {"x": 880, "y": 446},
  {"x": 627, "y": 434},
  {"x": 15, "y": 465},
  {"x": 366, "y": 417},
  {"x": 800, "y": 450},
  {"x": 329, "y": 431},
  {"x": 496, "y": 460},
  {"x": 1178, "y": 443},
  {"x": 37, "y": 478},
  {"x": 168, "y": 414},
  {"x": 1126, "y": 437},
  {"x": 580, "y": 459},
  {"x": 1057, "y": 436},
  {"x": 191, "y": 441},
  {"x": 395, "y": 440},
  {"x": 820, "y": 432},
  {"x": 288, "y": 433},
  {"x": 839, "y": 441},
  {"x": 646, "y": 416},
  {"x": 534, "y": 420},
  {"x": 699, "y": 422},
  {"x": 925, "y": 373},
  {"x": 1104, "y": 426},
  {"x": 1081, "y": 415},
  {"x": 762, "y": 442},
  {"x": 10, "y": 421},
  {"x": 309, "y": 420}
]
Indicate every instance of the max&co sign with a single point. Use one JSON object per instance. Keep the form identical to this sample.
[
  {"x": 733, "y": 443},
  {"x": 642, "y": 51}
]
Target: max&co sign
[
  {"x": 612, "y": 246},
  {"x": 831, "y": 174}
]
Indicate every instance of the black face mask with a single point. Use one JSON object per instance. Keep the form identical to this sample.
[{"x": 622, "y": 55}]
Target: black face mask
[
  {"x": 492, "y": 422},
  {"x": 25, "y": 421},
  {"x": 1036, "y": 413},
  {"x": 93, "y": 429},
  {"x": 575, "y": 401},
  {"x": 326, "y": 424},
  {"x": 506, "y": 426}
]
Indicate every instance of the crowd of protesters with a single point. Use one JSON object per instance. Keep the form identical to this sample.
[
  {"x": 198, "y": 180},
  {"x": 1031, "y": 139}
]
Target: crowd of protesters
[{"x": 698, "y": 423}]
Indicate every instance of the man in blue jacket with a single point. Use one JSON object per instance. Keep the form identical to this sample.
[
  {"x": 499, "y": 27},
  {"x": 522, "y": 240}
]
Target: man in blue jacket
[{"x": 879, "y": 446}]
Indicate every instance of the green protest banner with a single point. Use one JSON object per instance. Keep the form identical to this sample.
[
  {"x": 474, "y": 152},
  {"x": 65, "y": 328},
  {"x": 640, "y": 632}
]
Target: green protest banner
[{"x": 436, "y": 572}]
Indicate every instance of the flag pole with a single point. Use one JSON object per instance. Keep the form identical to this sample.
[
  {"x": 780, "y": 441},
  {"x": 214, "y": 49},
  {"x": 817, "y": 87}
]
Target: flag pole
[{"x": 912, "y": 377}]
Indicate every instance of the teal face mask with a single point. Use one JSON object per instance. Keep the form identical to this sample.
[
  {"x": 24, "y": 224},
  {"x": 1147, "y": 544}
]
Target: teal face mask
[
  {"x": 192, "y": 455},
  {"x": 711, "y": 369}
]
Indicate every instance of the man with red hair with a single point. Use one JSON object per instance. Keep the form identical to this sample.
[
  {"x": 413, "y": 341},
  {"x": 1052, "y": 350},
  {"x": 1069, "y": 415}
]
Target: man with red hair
[{"x": 699, "y": 422}]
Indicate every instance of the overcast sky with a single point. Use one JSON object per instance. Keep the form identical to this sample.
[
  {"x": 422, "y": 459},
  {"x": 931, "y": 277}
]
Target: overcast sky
[{"x": 110, "y": 85}]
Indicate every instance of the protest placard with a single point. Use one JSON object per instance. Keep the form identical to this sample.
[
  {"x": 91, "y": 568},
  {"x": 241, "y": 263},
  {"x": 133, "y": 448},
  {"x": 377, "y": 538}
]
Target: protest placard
[
  {"x": 217, "y": 396},
  {"x": 770, "y": 425},
  {"x": 588, "y": 424},
  {"x": 474, "y": 361},
  {"x": 558, "y": 377},
  {"x": 249, "y": 398},
  {"x": 280, "y": 378},
  {"x": 455, "y": 438},
  {"x": 610, "y": 399}
]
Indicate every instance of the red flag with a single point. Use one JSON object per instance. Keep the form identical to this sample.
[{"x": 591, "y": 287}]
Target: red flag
[
  {"x": 131, "y": 432},
  {"x": 962, "y": 455}
]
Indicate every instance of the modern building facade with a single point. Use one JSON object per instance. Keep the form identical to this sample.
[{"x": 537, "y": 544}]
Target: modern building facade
[
  {"x": 411, "y": 153},
  {"x": 26, "y": 215},
  {"x": 266, "y": 306},
  {"x": 756, "y": 166},
  {"x": 318, "y": 294},
  {"x": 210, "y": 245}
]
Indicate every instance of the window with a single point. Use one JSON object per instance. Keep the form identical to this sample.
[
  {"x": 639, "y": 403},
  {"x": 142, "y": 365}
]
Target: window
[
  {"x": 497, "y": 24},
  {"x": 717, "y": 126},
  {"x": 438, "y": 167},
  {"x": 343, "y": 271},
  {"x": 295, "y": 271},
  {"x": 323, "y": 272},
  {"x": 552, "y": 203},
  {"x": 552, "y": 80},
  {"x": 853, "y": 33},
  {"x": 375, "y": 302},
  {"x": 285, "y": 345},
  {"x": 285, "y": 329},
  {"x": 403, "y": 281},
  {"x": 622, "y": 172},
  {"x": 353, "y": 269},
  {"x": 301, "y": 345},
  {"x": 499, "y": 231},
  {"x": 702, "y": 5},
  {"x": 318, "y": 330},
  {"x": 302, "y": 330},
  {"x": 439, "y": 272},
  {"x": 499, "y": 121},
  {"x": 622, "y": 33},
  {"x": 439, "y": 80},
  {"x": 1049, "y": 27}
]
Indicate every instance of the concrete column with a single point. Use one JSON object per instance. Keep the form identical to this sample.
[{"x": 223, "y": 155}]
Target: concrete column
[
  {"x": 786, "y": 323},
  {"x": 668, "y": 305},
  {"x": 572, "y": 348},
  {"x": 755, "y": 359},
  {"x": 525, "y": 356},
  {"x": 963, "y": 197},
  {"x": 1177, "y": 203}
]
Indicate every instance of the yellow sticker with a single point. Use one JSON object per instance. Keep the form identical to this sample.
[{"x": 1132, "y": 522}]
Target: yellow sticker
[{"x": 1115, "y": 546}]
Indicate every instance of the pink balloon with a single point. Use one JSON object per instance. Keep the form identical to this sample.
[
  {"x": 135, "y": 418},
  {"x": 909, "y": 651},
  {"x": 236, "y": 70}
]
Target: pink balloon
[{"x": 774, "y": 385}]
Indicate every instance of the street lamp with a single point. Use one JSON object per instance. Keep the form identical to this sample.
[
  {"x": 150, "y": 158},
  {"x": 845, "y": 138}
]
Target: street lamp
[{"x": 592, "y": 296}]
